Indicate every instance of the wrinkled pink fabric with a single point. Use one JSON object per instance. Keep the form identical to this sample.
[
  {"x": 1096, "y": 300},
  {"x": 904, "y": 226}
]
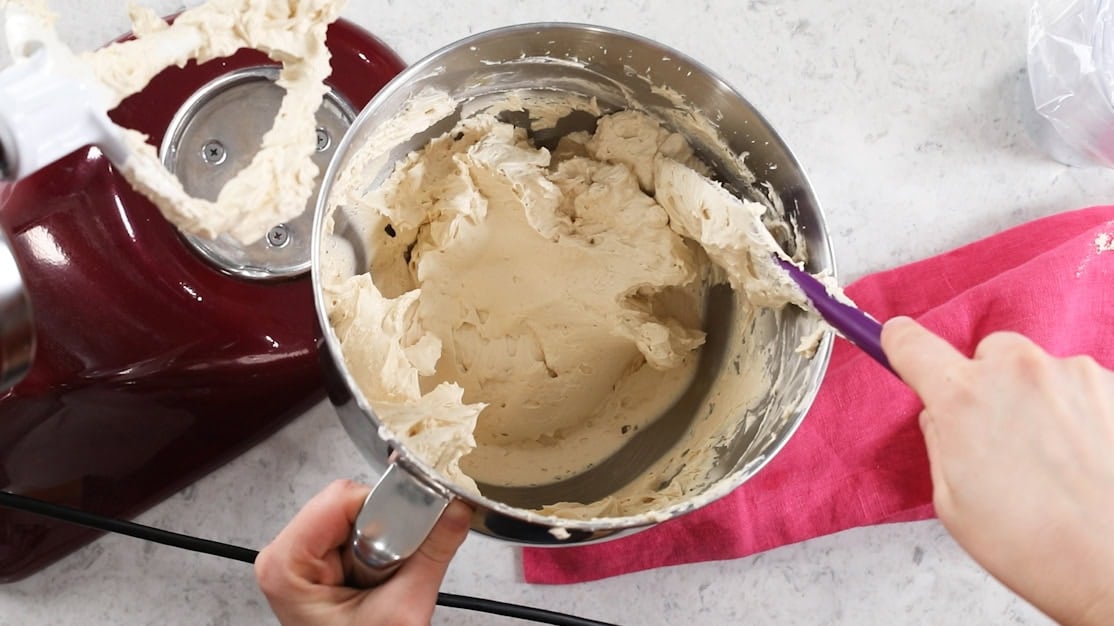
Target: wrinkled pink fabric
[{"x": 858, "y": 458}]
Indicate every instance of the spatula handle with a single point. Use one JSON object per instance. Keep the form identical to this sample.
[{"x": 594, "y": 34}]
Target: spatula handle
[{"x": 858, "y": 327}]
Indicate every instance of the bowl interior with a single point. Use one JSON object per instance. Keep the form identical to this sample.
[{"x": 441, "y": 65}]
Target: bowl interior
[{"x": 746, "y": 350}]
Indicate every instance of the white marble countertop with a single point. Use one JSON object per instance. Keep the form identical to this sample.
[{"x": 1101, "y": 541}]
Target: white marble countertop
[{"x": 905, "y": 115}]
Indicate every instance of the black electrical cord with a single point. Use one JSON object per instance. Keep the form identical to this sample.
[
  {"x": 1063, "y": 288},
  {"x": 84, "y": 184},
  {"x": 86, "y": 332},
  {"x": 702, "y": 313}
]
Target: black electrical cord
[
  {"x": 121, "y": 527},
  {"x": 247, "y": 555}
]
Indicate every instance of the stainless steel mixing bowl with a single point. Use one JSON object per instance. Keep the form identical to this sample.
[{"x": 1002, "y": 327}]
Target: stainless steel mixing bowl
[{"x": 619, "y": 70}]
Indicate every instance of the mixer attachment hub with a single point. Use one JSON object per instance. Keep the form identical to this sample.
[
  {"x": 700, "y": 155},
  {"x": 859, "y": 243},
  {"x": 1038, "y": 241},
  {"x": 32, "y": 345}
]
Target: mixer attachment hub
[{"x": 215, "y": 134}]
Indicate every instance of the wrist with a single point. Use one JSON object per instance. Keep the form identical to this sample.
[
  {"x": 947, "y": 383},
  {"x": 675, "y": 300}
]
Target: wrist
[
  {"x": 1099, "y": 610},
  {"x": 1094, "y": 582}
]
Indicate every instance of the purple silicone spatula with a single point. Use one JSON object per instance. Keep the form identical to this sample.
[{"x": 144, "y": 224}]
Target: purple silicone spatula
[{"x": 858, "y": 327}]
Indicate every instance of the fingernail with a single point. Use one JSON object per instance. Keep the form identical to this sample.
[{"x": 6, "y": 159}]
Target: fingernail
[{"x": 897, "y": 320}]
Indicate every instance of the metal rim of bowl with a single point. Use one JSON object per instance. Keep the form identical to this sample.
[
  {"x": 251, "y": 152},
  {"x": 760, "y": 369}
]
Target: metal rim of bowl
[{"x": 717, "y": 489}]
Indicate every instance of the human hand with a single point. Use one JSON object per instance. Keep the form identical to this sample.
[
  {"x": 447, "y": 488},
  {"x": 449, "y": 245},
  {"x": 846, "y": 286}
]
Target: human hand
[
  {"x": 1021, "y": 447},
  {"x": 301, "y": 575}
]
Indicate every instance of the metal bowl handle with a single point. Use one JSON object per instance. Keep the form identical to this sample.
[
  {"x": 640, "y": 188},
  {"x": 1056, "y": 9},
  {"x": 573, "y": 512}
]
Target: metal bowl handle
[{"x": 397, "y": 515}]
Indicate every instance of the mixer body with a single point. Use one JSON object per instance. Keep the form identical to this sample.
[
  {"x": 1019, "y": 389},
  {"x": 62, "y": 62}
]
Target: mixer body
[{"x": 152, "y": 365}]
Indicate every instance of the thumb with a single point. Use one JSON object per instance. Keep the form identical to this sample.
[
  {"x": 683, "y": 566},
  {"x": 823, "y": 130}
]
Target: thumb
[{"x": 422, "y": 573}]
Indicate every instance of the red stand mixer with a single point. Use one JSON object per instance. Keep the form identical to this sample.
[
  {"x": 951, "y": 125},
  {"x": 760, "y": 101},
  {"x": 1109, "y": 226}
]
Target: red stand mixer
[{"x": 157, "y": 357}]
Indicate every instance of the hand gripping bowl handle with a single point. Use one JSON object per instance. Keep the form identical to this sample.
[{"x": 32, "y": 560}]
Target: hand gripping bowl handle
[{"x": 395, "y": 519}]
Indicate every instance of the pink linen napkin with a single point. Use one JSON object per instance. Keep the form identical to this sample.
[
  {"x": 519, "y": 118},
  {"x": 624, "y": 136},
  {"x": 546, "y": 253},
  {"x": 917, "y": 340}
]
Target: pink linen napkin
[{"x": 858, "y": 458}]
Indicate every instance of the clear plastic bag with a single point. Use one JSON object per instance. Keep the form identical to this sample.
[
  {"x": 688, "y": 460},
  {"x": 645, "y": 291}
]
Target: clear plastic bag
[{"x": 1071, "y": 77}]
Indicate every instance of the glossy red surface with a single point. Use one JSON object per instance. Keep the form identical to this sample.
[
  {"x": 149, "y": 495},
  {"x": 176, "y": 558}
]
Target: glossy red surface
[{"x": 152, "y": 367}]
